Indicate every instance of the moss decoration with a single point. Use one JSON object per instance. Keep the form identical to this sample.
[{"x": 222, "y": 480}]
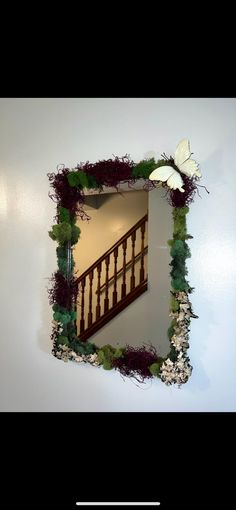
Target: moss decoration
[
  {"x": 155, "y": 369},
  {"x": 179, "y": 251},
  {"x": 62, "y": 315},
  {"x": 107, "y": 354},
  {"x": 62, "y": 260},
  {"x": 174, "y": 304},
  {"x": 145, "y": 167},
  {"x": 67, "y": 191},
  {"x": 63, "y": 340},
  {"x": 82, "y": 347},
  {"x": 180, "y": 225},
  {"x": 75, "y": 234},
  {"x": 81, "y": 180},
  {"x": 64, "y": 215},
  {"x": 61, "y": 233},
  {"x": 64, "y": 232}
]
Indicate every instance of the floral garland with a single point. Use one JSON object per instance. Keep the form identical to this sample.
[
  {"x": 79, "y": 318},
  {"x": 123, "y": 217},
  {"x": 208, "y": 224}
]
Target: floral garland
[{"x": 178, "y": 176}]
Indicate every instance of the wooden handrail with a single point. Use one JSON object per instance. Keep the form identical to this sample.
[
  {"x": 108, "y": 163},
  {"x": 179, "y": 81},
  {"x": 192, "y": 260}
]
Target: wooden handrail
[
  {"x": 121, "y": 269},
  {"x": 115, "y": 310},
  {"x": 116, "y": 245}
]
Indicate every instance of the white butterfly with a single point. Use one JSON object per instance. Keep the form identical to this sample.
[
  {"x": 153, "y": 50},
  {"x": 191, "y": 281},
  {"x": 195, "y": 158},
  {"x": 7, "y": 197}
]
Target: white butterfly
[{"x": 185, "y": 165}]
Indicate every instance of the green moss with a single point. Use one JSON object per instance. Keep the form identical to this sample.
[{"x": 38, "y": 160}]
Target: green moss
[
  {"x": 107, "y": 365},
  {"x": 82, "y": 347},
  {"x": 75, "y": 234},
  {"x": 61, "y": 232},
  {"x": 101, "y": 357},
  {"x": 73, "y": 179},
  {"x": 118, "y": 353},
  {"x": 179, "y": 252},
  {"x": 82, "y": 180},
  {"x": 107, "y": 353},
  {"x": 173, "y": 354},
  {"x": 145, "y": 167},
  {"x": 63, "y": 318},
  {"x": 62, "y": 266},
  {"x": 170, "y": 331},
  {"x": 62, "y": 259},
  {"x": 61, "y": 252},
  {"x": 179, "y": 249},
  {"x": 155, "y": 369},
  {"x": 62, "y": 315},
  {"x": 174, "y": 304},
  {"x": 63, "y": 340},
  {"x": 92, "y": 183},
  {"x": 179, "y": 284},
  {"x": 64, "y": 215},
  {"x": 180, "y": 227}
]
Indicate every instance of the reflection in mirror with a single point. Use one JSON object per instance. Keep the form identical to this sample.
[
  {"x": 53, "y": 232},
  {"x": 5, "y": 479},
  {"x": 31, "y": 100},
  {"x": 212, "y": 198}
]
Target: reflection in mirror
[{"x": 122, "y": 261}]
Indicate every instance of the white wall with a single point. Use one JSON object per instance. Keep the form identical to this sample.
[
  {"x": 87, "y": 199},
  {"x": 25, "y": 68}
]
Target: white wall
[{"x": 38, "y": 134}]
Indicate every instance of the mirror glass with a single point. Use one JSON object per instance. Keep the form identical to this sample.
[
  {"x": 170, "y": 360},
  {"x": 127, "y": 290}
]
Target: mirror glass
[{"x": 122, "y": 261}]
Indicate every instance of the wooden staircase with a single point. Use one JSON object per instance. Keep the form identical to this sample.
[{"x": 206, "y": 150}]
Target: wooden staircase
[{"x": 105, "y": 290}]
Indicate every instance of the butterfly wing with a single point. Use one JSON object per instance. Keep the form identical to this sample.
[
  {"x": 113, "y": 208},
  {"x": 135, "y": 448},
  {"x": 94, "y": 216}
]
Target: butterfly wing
[
  {"x": 190, "y": 168},
  {"x": 182, "y": 159},
  {"x": 175, "y": 181},
  {"x": 182, "y": 152},
  {"x": 169, "y": 174},
  {"x": 162, "y": 173}
]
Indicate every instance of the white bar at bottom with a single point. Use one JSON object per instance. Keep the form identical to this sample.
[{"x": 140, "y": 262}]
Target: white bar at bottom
[{"x": 98, "y": 503}]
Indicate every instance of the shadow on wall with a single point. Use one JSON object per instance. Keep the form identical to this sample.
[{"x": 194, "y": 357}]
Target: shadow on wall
[
  {"x": 97, "y": 201},
  {"x": 198, "y": 347},
  {"x": 44, "y": 333},
  {"x": 203, "y": 210}
]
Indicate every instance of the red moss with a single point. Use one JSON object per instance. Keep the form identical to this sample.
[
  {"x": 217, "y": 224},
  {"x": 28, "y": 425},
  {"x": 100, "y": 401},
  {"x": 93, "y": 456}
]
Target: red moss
[
  {"x": 111, "y": 171},
  {"x": 63, "y": 292},
  {"x": 136, "y": 362},
  {"x": 178, "y": 199},
  {"x": 64, "y": 194}
]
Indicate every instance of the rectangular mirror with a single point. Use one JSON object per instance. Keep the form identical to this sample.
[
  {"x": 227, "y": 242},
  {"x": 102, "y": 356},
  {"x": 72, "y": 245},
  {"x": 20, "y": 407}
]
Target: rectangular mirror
[{"x": 122, "y": 259}]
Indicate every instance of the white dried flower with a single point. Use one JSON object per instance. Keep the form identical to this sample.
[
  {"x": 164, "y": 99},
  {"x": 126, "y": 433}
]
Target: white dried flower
[
  {"x": 188, "y": 371},
  {"x": 180, "y": 342},
  {"x": 78, "y": 358},
  {"x": 184, "y": 307},
  {"x": 65, "y": 358},
  {"x": 182, "y": 297},
  {"x": 180, "y": 316},
  {"x": 93, "y": 358},
  {"x": 64, "y": 347},
  {"x": 168, "y": 362},
  {"x": 174, "y": 315},
  {"x": 177, "y": 372},
  {"x": 180, "y": 364}
]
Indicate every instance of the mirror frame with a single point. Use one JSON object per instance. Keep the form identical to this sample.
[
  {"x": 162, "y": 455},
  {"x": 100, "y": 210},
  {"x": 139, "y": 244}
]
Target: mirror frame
[{"x": 68, "y": 188}]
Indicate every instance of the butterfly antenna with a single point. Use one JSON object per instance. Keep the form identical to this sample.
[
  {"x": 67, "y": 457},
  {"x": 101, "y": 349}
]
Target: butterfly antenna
[
  {"x": 164, "y": 156},
  {"x": 203, "y": 187},
  {"x": 198, "y": 193}
]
